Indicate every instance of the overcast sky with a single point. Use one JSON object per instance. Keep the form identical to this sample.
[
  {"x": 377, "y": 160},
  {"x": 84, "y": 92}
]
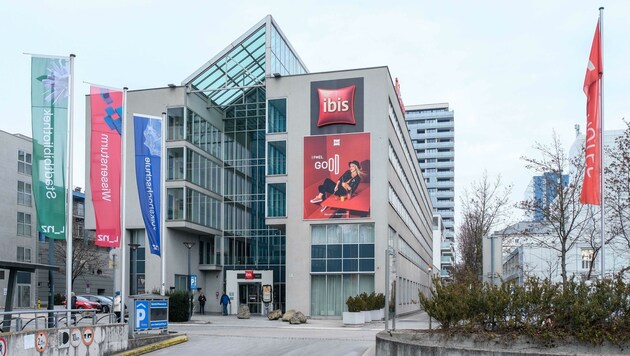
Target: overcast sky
[{"x": 511, "y": 70}]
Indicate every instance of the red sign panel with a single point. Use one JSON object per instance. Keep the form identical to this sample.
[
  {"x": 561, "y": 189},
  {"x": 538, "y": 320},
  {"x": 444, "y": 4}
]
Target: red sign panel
[
  {"x": 249, "y": 274},
  {"x": 336, "y": 106},
  {"x": 337, "y": 176}
]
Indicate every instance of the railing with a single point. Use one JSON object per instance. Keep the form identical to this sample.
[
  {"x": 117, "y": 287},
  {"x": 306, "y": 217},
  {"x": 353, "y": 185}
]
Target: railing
[{"x": 43, "y": 318}]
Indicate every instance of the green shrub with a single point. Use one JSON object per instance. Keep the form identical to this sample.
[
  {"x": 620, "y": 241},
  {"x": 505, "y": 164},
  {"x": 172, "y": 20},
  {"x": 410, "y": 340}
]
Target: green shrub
[
  {"x": 178, "y": 306},
  {"x": 546, "y": 311},
  {"x": 355, "y": 304}
]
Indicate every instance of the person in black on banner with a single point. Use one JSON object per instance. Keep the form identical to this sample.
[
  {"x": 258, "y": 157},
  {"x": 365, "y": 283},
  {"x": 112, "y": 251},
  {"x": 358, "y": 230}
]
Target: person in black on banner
[{"x": 344, "y": 187}]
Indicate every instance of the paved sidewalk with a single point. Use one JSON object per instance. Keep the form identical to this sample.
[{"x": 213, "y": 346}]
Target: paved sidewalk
[{"x": 418, "y": 320}]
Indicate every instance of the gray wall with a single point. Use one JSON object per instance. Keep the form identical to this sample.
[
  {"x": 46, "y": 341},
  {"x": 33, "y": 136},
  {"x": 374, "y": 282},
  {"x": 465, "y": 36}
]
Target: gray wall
[{"x": 9, "y": 240}]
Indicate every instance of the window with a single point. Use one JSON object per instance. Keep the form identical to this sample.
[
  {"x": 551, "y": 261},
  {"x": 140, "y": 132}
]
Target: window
[
  {"x": 23, "y": 254},
  {"x": 587, "y": 258},
  {"x": 23, "y": 224},
  {"x": 277, "y": 157},
  {"x": 24, "y": 162},
  {"x": 277, "y": 200},
  {"x": 24, "y": 193},
  {"x": 175, "y": 117},
  {"x": 175, "y": 204},
  {"x": 277, "y": 116},
  {"x": 175, "y": 163}
]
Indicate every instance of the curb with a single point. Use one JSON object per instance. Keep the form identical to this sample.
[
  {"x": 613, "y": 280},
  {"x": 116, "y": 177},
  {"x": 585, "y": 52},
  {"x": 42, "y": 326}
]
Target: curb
[{"x": 155, "y": 346}]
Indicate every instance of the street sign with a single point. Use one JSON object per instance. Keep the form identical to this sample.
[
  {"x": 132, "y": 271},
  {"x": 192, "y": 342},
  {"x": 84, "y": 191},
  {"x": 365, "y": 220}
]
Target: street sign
[
  {"x": 193, "y": 281},
  {"x": 3, "y": 347},
  {"x": 75, "y": 337},
  {"x": 141, "y": 315},
  {"x": 41, "y": 340},
  {"x": 88, "y": 336}
]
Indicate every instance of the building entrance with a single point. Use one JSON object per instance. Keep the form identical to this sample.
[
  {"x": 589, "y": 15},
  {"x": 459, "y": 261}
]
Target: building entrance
[{"x": 249, "y": 294}]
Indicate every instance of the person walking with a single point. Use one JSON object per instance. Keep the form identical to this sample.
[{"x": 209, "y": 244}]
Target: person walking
[
  {"x": 225, "y": 300},
  {"x": 202, "y": 303},
  {"x": 117, "y": 306}
]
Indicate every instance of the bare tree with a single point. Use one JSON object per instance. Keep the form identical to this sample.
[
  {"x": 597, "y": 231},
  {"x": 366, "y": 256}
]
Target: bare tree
[
  {"x": 562, "y": 211},
  {"x": 87, "y": 258},
  {"x": 617, "y": 201},
  {"x": 484, "y": 206}
]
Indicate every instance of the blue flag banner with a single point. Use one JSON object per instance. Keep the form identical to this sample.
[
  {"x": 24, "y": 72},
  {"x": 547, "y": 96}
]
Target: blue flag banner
[{"x": 148, "y": 144}]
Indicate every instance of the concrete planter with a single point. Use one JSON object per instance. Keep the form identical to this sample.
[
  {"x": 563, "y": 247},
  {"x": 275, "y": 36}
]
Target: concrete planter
[
  {"x": 367, "y": 315},
  {"x": 353, "y": 318},
  {"x": 375, "y": 315}
]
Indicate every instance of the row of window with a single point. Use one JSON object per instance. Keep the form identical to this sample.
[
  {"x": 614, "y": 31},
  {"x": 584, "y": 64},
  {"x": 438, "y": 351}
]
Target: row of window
[
  {"x": 399, "y": 207},
  {"x": 342, "y": 248}
]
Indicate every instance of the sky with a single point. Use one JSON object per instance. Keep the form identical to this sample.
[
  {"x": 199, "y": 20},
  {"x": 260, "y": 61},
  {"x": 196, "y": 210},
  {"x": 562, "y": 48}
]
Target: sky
[{"x": 512, "y": 71}]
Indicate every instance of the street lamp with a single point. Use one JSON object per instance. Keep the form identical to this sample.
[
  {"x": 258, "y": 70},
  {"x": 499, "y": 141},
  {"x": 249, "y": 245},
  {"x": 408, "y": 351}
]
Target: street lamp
[
  {"x": 134, "y": 268},
  {"x": 189, "y": 245}
]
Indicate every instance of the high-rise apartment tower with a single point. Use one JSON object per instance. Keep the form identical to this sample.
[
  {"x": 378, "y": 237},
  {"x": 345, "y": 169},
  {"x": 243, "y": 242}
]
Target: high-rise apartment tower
[{"x": 432, "y": 130}]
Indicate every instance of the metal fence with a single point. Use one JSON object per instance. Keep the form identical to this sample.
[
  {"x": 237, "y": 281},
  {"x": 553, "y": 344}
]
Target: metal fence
[{"x": 36, "y": 319}]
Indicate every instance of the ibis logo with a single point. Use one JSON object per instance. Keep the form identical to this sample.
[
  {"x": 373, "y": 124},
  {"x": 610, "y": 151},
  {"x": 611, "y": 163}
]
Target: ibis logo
[{"x": 337, "y": 106}]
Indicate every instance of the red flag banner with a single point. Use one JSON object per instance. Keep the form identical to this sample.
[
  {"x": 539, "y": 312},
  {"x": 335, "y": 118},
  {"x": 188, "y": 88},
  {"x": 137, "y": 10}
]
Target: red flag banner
[
  {"x": 105, "y": 163},
  {"x": 591, "y": 188}
]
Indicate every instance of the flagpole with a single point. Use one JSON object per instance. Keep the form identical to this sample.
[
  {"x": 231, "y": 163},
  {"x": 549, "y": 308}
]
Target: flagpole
[
  {"x": 163, "y": 207},
  {"x": 69, "y": 194},
  {"x": 123, "y": 220},
  {"x": 601, "y": 142}
]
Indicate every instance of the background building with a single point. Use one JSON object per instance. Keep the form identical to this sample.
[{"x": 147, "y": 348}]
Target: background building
[
  {"x": 432, "y": 131},
  {"x": 250, "y": 136},
  {"x": 18, "y": 226}
]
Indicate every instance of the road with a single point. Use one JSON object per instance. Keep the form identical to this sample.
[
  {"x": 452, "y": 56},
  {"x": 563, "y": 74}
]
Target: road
[{"x": 219, "y": 335}]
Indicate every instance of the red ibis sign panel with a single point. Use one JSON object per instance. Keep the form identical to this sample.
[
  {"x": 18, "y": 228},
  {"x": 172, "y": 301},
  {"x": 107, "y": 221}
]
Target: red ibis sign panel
[
  {"x": 337, "y": 106},
  {"x": 249, "y": 274}
]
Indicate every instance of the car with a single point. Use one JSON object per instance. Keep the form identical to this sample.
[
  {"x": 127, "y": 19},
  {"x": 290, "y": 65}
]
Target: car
[
  {"x": 105, "y": 302},
  {"x": 83, "y": 303}
]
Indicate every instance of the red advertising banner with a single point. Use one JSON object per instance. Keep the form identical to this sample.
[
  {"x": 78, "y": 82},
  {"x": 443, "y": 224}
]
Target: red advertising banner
[
  {"x": 337, "y": 176},
  {"x": 105, "y": 163}
]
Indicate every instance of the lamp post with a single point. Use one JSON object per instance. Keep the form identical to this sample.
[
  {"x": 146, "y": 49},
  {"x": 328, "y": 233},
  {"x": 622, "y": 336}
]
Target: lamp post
[
  {"x": 134, "y": 269},
  {"x": 189, "y": 245}
]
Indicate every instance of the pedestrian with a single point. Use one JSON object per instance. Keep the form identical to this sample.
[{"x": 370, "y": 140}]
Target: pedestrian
[
  {"x": 73, "y": 305},
  {"x": 117, "y": 306},
  {"x": 202, "y": 303},
  {"x": 225, "y": 300}
]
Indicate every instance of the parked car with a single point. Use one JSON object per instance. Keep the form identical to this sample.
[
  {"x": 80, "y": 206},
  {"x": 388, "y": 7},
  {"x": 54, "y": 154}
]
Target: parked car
[
  {"x": 105, "y": 302},
  {"x": 83, "y": 303}
]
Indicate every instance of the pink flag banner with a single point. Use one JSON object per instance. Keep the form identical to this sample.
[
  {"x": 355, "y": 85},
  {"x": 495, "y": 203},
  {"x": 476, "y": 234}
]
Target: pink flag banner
[{"x": 105, "y": 163}]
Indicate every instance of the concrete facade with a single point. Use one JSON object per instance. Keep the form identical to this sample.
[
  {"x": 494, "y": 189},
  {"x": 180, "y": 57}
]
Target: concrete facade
[{"x": 16, "y": 240}]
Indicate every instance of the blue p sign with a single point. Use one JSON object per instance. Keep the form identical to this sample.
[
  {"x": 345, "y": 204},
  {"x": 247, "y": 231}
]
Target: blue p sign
[
  {"x": 193, "y": 281},
  {"x": 141, "y": 315}
]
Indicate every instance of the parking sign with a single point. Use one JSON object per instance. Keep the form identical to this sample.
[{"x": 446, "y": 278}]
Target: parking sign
[
  {"x": 193, "y": 281},
  {"x": 141, "y": 315}
]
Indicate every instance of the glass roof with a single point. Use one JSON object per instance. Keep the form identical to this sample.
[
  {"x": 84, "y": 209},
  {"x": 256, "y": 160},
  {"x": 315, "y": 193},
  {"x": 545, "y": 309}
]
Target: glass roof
[{"x": 224, "y": 81}]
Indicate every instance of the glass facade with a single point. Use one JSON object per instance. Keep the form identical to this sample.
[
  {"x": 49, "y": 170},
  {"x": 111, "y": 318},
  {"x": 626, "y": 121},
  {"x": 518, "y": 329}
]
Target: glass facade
[
  {"x": 277, "y": 200},
  {"x": 283, "y": 60},
  {"x": 277, "y": 115},
  {"x": 234, "y": 84},
  {"x": 342, "y": 265},
  {"x": 276, "y": 158}
]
